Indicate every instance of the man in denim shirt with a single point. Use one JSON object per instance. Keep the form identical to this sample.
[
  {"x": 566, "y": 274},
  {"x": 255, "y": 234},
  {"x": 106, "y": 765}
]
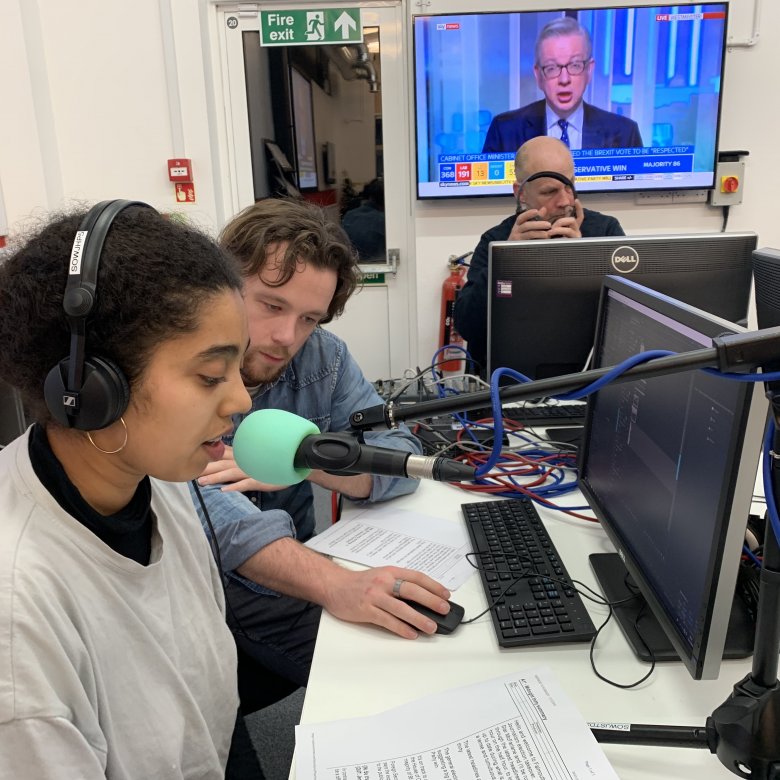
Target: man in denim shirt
[{"x": 299, "y": 270}]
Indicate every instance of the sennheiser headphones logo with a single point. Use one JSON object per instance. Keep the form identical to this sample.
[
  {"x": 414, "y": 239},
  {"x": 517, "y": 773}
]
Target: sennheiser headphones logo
[
  {"x": 625, "y": 259},
  {"x": 75, "y": 252},
  {"x": 69, "y": 400}
]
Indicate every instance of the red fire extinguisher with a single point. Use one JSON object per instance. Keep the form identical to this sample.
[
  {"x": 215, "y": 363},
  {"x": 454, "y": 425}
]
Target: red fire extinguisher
[{"x": 451, "y": 359}]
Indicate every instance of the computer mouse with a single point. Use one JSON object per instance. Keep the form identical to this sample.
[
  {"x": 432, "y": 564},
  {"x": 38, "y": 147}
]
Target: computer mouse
[{"x": 445, "y": 624}]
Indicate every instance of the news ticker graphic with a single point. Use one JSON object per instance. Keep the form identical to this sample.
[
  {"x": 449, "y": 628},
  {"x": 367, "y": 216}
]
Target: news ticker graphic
[
  {"x": 474, "y": 170},
  {"x": 458, "y": 170}
]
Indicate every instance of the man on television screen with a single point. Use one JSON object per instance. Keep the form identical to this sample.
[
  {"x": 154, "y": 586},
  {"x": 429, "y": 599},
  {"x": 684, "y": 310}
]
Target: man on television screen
[
  {"x": 547, "y": 207},
  {"x": 563, "y": 70}
]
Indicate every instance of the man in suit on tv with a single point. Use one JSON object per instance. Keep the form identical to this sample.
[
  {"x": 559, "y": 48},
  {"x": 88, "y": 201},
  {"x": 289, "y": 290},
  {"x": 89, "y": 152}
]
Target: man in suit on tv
[
  {"x": 563, "y": 69},
  {"x": 547, "y": 207}
]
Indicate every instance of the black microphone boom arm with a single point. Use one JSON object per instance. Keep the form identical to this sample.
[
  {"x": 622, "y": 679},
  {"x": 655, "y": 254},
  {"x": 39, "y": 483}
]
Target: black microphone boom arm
[
  {"x": 744, "y": 731},
  {"x": 733, "y": 352}
]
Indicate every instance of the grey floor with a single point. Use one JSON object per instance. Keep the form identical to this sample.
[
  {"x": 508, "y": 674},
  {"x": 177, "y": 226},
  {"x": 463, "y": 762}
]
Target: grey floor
[{"x": 273, "y": 729}]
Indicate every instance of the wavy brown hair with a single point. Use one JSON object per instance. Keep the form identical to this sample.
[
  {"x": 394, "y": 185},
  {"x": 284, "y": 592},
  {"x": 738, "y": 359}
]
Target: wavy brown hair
[{"x": 310, "y": 238}]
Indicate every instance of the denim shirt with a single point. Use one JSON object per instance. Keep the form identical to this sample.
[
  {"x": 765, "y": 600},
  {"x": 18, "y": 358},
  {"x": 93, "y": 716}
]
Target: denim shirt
[{"x": 324, "y": 384}]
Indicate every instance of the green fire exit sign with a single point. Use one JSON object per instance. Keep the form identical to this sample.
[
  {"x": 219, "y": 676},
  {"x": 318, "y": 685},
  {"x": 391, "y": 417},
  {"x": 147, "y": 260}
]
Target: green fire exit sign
[{"x": 303, "y": 28}]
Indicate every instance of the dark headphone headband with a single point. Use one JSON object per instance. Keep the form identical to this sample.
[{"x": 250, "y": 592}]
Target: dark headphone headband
[
  {"x": 551, "y": 175},
  {"x": 81, "y": 289},
  {"x": 84, "y": 392}
]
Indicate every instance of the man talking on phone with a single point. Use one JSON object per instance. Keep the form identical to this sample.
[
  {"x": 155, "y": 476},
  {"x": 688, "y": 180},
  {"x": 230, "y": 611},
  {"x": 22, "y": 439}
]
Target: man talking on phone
[{"x": 547, "y": 208}]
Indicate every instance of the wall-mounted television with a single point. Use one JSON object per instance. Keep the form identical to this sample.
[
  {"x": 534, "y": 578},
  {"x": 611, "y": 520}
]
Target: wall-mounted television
[{"x": 640, "y": 94}]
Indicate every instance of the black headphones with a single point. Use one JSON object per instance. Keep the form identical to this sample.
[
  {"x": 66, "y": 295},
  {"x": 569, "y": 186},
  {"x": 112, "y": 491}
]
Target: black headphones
[
  {"x": 544, "y": 175},
  {"x": 565, "y": 180},
  {"x": 81, "y": 391}
]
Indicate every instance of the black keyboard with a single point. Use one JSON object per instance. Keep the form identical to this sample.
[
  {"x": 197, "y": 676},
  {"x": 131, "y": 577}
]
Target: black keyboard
[
  {"x": 511, "y": 543},
  {"x": 543, "y": 414}
]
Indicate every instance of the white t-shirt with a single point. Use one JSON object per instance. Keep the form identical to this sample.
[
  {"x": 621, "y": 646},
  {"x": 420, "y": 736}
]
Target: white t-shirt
[{"x": 109, "y": 669}]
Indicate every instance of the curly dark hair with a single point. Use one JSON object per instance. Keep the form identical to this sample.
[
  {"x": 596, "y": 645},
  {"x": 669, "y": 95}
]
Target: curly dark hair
[
  {"x": 310, "y": 238},
  {"x": 155, "y": 277}
]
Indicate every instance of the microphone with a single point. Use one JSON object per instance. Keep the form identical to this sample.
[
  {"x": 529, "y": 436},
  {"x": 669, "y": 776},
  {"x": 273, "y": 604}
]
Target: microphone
[{"x": 281, "y": 448}]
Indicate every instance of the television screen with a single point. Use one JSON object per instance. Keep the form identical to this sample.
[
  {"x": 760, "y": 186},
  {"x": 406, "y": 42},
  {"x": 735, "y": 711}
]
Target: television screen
[{"x": 638, "y": 90}]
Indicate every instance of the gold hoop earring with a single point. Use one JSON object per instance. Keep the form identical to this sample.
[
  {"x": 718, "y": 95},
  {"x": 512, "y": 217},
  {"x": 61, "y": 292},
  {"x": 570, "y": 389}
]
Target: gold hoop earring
[{"x": 110, "y": 452}]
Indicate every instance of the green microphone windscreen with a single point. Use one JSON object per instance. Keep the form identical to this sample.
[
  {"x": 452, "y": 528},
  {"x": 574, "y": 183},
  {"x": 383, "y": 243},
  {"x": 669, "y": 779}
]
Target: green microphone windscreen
[{"x": 266, "y": 442}]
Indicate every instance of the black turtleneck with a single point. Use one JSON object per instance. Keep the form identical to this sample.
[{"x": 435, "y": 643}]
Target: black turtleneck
[{"x": 128, "y": 531}]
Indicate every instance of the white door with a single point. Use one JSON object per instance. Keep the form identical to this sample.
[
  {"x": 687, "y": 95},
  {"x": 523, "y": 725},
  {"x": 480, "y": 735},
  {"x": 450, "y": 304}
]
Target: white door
[{"x": 378, "y": 322}]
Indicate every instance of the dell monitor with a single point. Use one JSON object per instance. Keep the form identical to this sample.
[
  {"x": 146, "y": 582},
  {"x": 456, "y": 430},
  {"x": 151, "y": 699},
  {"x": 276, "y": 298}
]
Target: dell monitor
[
  {"x": 651, "y": 96},
  {"x": 543, "y": 295},
  {"x": 766, "y": 270},
  {"x": 668, "y": 465}
]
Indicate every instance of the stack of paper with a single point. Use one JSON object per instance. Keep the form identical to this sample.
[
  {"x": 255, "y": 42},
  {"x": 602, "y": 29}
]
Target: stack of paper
[{"x": 518, "y": 726}]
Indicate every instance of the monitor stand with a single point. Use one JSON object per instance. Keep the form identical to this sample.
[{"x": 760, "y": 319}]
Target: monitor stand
[{"x": 612, "y": 576}]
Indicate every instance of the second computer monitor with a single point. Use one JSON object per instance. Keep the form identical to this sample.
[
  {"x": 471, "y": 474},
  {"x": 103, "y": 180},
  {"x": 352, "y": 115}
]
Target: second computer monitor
[
  {"x": 543, "y": 295},
  {"x": 668, "y": 465}
]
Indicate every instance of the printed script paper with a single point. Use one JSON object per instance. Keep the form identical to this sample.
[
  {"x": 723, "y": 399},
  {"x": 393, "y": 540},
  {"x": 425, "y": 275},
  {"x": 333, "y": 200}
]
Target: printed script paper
[
  {"x": 383, "y": 536},
  {"x": 521, "y": 726}
]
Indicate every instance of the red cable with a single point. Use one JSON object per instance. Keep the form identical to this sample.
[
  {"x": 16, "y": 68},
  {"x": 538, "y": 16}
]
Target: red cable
[{"x": 524, "y": 466}]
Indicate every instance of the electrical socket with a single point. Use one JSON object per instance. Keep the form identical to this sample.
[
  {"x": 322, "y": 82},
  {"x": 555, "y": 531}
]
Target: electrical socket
[
  {"x": 655, "y": 198},
  {"x": 691, "y": 196},
  {"x": 668, "y": 197}
]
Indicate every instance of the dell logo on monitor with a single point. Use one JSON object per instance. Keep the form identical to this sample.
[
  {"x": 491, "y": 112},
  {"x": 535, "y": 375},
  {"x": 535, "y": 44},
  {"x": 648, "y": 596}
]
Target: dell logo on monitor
[{"x": 625, "y": 259}]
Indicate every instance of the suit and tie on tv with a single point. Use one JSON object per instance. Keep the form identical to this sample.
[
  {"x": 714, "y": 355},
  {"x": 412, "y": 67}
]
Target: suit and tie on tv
[
  {"x": 563, "y": 69},
  {"x": 601, "y": 129}
]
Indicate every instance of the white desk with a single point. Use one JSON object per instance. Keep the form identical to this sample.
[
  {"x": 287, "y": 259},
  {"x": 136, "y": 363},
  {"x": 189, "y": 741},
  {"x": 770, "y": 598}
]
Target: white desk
[{"x": 361, "y": 670}]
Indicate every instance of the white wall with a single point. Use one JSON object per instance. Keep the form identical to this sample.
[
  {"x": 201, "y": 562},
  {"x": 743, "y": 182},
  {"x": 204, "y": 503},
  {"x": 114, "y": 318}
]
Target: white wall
[
  {"x": 98, "y": 94},
  {"x": 92, "y": 108},
  {"x": 346, "y": 119}
]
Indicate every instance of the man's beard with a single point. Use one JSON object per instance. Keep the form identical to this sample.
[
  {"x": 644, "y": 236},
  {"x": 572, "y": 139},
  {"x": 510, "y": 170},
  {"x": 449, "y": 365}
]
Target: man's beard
[
  {"x": 567, "y": 212},
  {"x": 255, "y": 372}
]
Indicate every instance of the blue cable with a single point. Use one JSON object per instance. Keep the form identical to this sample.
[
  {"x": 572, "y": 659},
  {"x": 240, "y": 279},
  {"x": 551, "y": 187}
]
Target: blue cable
[
  {"x": 495, "y": 404},
  {"x": 771, "y": 505},
  {"x": 438, "y": 352},
  {"x": 771, "y": 377},
  {"x": 556, "y": 473},
  {"x": 643, "y": 357},
  {"x": 747, "y": 551},
  {"x": 621, "y": 368}
]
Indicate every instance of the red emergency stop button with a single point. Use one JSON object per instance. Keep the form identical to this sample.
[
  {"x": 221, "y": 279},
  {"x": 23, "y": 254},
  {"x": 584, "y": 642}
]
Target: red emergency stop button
[{"x": 729, "y": 183}]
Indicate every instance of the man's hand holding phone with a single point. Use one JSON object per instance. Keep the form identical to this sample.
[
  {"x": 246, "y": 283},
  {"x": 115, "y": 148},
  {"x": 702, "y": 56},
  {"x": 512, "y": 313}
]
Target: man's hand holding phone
[
  {"x": 568, "y": 227},
  {"x": 532, "y": 224}
]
